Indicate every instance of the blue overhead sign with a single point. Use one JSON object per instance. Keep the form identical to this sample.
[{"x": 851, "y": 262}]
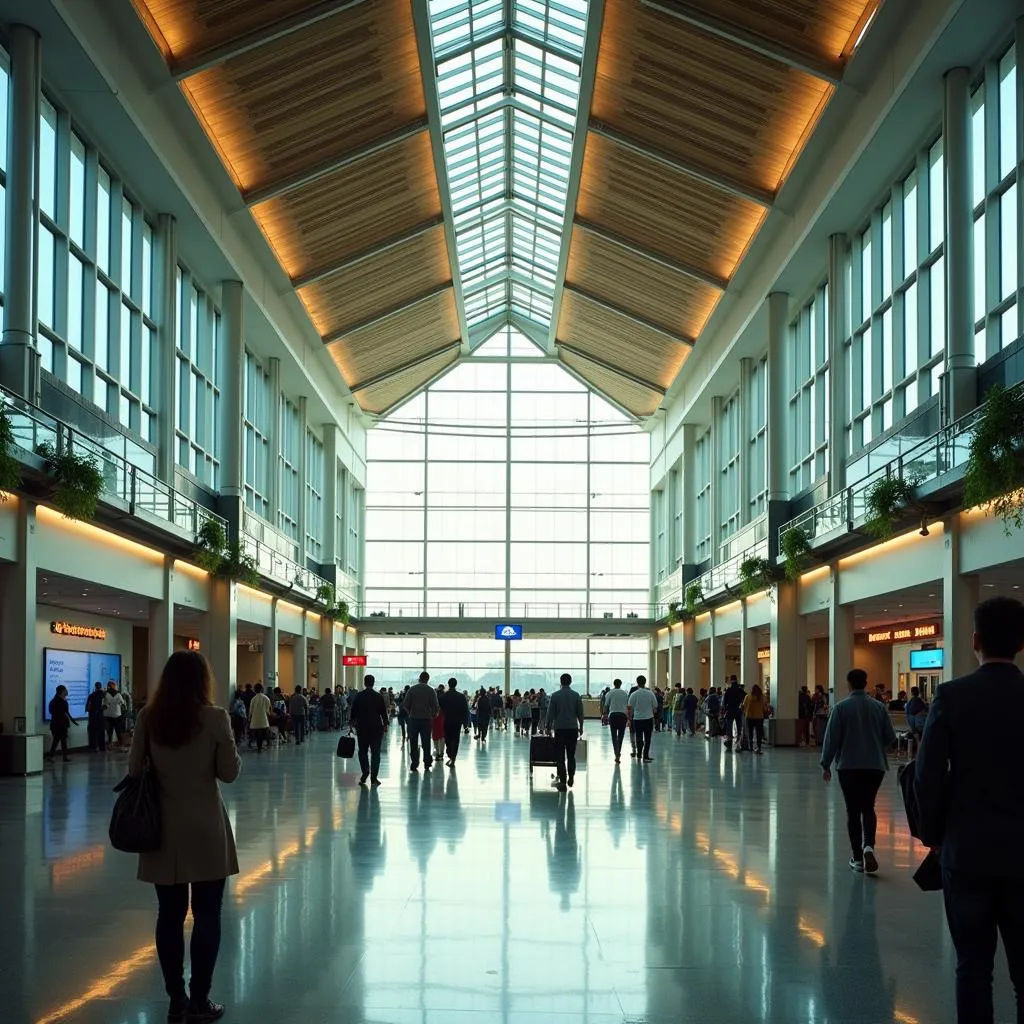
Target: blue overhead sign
[{"x": 505, "y": 631}]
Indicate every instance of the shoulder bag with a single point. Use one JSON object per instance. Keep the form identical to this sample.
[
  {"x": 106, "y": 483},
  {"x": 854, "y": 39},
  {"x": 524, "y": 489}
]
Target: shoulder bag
[{"x": 135, "y": 823}]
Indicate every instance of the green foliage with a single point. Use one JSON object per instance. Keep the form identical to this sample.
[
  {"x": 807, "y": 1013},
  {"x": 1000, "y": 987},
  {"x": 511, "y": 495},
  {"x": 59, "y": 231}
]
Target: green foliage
[
  {"x": 210, "y": 545},
  {"x": 756, "y": 574},
  {"x": 238, "y": 566},
  {"x": 887, "y": 498},
  {"x": 77, "y": 481},
  {"x": 994, "y": 477},
  {"x": 796, "y": 545},
  {"x": 675, "y": 610},
  {"x": 693, "y": 599},
  {"x": 10, "y": 467},
  {"x": 333, "y": 608}
]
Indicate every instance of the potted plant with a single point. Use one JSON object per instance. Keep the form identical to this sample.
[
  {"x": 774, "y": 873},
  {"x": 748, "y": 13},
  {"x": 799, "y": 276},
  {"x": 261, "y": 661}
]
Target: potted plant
[
  {"x": 236, "y": 565},
  {"x": 795, "y": 545},
  {"x": 693, "y": 599},
  {"x": 210, "y": 544},
  {"x": 994, "y": 476},
  {"x": 886, "y": 499},
  {"x": 10, "y": 467},
  {"x": 756, "y": 574},
  {"x": 77, "y": 480}
]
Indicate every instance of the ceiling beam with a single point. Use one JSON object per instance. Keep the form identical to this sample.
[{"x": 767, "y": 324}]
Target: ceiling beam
[
  {"x": 429, "y": 382},
  {"x": 725, "y": 182},
  {"x": 588, "y": 74},
  {"x": 483, "y": 331},
  {"x": 386, "y": 375},
  {"x": 650, "y": 325},
  {"x": 368, "y": 254},
  {"x": 424, "y": 43},
  {"x": 665, "y": 261},
  {"x": 531, "y": 329},
  {"x": 512, "y": 277},
  {"x": 379, "y": 318},
  {"x": 253, "y": 196},
  {"x": 202, "y": 60},
  {"x": 591, "y": 386},
  {"x": 825, "y": 68},
  {"x": 610, "y": 367}
]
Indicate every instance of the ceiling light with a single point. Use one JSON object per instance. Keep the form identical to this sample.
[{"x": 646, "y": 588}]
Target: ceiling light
[{"x": 989, "y": 585}]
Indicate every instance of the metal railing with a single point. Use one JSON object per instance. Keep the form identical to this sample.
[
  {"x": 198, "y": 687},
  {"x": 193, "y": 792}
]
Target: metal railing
[
  {"x": 727, "y": 574},
  {"x": 139, "y": 490},
  {"x": 500, "y": 612},
  {"x": 275, "y": 566}
]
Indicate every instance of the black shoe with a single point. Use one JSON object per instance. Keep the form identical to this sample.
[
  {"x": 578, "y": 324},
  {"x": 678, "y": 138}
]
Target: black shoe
[
  {"x": 451, "y": 764},
  {"x": 414, "y": 768},
  {"x": 569, "y": 783},
  {"x": 363, "y": 778},
  {"x": 374, "y": 781},
  {"x": 177, "y": 1011},
  {"x": 648, "y": 760},
  {"x": 205, "y": 1011}
]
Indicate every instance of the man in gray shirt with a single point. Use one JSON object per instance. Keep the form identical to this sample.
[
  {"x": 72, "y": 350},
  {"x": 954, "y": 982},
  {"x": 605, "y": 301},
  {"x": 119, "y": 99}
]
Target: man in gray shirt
[
  {"x": 422, "y": 708},
  {"x": 565, "y": 718},
  {"x": 298, "y": 708},
  {"x": 858, "y": 734}
]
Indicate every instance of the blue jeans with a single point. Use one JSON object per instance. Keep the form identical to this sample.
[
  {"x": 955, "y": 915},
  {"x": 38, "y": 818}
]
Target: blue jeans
[{"x": 419, "y": 733}]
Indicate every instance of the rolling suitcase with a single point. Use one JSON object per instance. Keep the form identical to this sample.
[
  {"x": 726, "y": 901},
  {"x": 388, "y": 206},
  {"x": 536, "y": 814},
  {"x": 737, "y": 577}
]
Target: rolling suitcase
[{"x": 542, "y": 752}]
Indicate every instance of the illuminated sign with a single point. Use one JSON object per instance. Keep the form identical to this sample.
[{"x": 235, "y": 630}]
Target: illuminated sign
[
  {"x": 353, "y": 659},
  {"x": 764, "y": 653},
  {"x": 505, "y": 631},
  {"x": 901, "y": 633},
  {"x": 192, "y": 645},
  {"x": 72, "y": 629}
]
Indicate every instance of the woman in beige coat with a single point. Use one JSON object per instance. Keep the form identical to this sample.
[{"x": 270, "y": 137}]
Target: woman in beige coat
[{"x": 190, "y": 746}]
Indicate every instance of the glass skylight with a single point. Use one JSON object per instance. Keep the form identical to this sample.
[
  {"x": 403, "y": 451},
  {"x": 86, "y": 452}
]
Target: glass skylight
[{"x": 508, "y": 78}]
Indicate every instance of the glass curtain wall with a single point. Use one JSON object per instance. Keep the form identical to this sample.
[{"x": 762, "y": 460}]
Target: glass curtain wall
[
  {"x": 507, "y": 488},
  {"x": 808, "y": 398}
]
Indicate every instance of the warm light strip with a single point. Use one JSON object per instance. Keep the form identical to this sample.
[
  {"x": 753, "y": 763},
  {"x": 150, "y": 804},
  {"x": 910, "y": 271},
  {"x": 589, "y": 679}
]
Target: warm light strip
[
  {"x": 188, "y": 569},
  {"x": 881, "y": 550},
  {"x": 94, "y": 535}
]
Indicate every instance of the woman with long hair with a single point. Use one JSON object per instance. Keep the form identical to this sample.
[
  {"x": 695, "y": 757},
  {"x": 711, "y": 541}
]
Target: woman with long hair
[
  {"x": 188, "y": 743},
  {"x": 755, "y": 708}
]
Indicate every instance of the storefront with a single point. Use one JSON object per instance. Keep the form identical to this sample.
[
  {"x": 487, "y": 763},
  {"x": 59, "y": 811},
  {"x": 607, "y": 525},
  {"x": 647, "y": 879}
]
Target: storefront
[{"x": 902, "y": 656}]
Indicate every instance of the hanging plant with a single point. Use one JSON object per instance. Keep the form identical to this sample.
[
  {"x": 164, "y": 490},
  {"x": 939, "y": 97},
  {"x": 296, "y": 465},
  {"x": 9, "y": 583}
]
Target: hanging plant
[
  {"x": 796, "y": 546},
  {"x": 994, "y": 477},
  {"x": 757, "y": 574},
  {"x": 77, "y": 480},
  {"x": 693, "y": 599},
  {"x": 333, "y": 608},
  {"x": 210, "y": 544},
  {"x": 886, "y": 500},
  {"x": 674, "y": 612},
  {"x": 10, "y": 467},
  {"x": 238, "y": 566}
]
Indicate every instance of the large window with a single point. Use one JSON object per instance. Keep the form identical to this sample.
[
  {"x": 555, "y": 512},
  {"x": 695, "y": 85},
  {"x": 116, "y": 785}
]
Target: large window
[
  {"x": 97, "y": 326},
  {"x": 702, "y": 493},
  {"x": 729, "y": 471},
  {"x": 257, "y": 406},
  {"x": 289, "y": 455},
  {"x": 508, "y": 482},
  {"x": 808, "y": 394},
  {"x": 757, "y": 442},
  {"x": 314, "y": 497}
]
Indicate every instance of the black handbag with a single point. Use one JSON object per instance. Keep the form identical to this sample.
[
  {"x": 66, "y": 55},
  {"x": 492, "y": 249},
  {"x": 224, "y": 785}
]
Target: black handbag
[
  {"x": 346, "y": 746},
  {"x": 135, "y": 824}
]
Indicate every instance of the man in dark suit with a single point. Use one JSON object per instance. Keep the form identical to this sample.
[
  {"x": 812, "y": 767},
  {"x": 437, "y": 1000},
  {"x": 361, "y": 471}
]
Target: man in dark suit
[
  {"x": 971, "y": 805},
  {"x": 370, "y": 721},
  {"x": 455, "y": 709}
]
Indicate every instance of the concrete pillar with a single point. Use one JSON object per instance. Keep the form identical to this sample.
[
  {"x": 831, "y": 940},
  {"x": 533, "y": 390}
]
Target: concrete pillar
[
  {"x": 327, "y": 662},
  {"x": 788, "y": 661},
  {"x": 689, "y": 495},
  {"x": 331, "y": 499},
  {"x": 961, "y": 371},
  {"x": 689, "y": 656},
  {"x": 778, "y": 397},
  {"x": 746, "y": 372},
  {"x": 271, "y": 643},
  {"x": 838, "y": 399},
  {"x": 20, "y": 690},
  {"x": 161, "y": 627},
  {"x": 300, "y": 659},
  {"x": 165, "y": 372},
  {"x": 232, "y": 465},
  {"x": 303, "y": 478},
  {"x": 274, "y": 442},
  {"x": 19, "y": 359},
  {"x": 222, "y": 637},
  {"x": 840, "y": 640},
  {"x": 960, "y": 595},
  {"x": 719, "y": 669},
  {"x": 749, "y": 673},
  {"x": 716, "y": 478},
  {"x": 670, "y": 676}
]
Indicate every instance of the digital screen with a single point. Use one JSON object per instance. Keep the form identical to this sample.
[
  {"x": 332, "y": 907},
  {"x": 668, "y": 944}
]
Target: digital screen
[
  {"x": 926, "y": 659},
  {"x": 353, "y": 659},
  {"x": 505, "y": 631},
  {"x": 79, "y": 671}
]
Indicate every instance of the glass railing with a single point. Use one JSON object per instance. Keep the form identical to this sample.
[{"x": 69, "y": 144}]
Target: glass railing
[
  {"x": 727, "y": 574},
  {"x": 500, "y": 612}
]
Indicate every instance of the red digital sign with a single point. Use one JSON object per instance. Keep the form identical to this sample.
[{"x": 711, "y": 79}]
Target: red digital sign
[{"x": 353, "y": 659}]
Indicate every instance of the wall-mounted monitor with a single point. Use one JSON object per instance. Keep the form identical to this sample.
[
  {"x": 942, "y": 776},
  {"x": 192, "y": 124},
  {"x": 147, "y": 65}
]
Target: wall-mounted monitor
[
  {"x": 921, "y": 661},
  {"x": 79, "y": 671}
]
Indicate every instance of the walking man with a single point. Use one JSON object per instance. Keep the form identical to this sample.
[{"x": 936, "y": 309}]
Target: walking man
[
  {"x": 565, "y": 718},
  {"x": 859, "y": 733},
  {"x": 421, "y": 705},
  {"x": 370, "y": 721},
  {"x": 642, "y": 705},
  {"x": 971, "y": 803},
  {"x": 733, "y": 703},
  {"x": 615, "y": 708},
  {"x": 298, "y": 708},
  {"x": 455, "y": 709}
]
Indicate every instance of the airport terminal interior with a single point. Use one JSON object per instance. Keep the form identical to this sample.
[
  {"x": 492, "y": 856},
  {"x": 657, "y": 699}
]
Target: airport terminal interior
[{"x": 502, "y": 339}]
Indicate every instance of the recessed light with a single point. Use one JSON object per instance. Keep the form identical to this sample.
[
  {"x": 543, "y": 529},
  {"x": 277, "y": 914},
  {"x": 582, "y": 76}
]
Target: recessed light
[
  {"x": 931, "y": 595},
  {"x": 885, "y": 609},
  {"x": 989, "y": 585},
  {"x": 899, "y": 606}
]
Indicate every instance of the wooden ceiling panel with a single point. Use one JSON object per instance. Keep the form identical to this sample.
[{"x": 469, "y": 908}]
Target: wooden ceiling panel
[
  {"x": 312, "y": 95},
  {"x": 379, "y": 283},
  {"x": 707, "y": 101},
  {"x": 349, "y": 211},
  {"x": 636, "y": 399},
  {"x": 383, "y": 396},
  {"x": 674, "y": 301},
  {"x": 665, "y": 211},
  {"x": 615, "y": 339},
  {"x": 413, "y": 332}
]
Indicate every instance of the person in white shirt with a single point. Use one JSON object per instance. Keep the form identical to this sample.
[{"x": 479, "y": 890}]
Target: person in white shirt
[
  {"x": 113, "y": 713},
  {"x": 642, "y": 705},
  {"x": 615, "y": 702},
  {"x": 259, "y": 717}
]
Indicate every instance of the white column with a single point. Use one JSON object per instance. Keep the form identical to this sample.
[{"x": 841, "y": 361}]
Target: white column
[
  {"x": 274, "y": 442},
  {"x": 690, "y": 656},
  {"x": 788, "y": 657},
  {"x": 165, "y": 372},
  {"x": 232, "y": 465},
  {"x": 746, "y": 371},
  {"x": 689, "y": 495},
  {"x": 325, "y": 651},
  {"x": 716, "y": 479},
  {"x": 838, "y": 400},
  {"x": 300, "y": 659},
  {"x": 271, "y": 643},
  {"x": 222, "y": 637},
  {"x": 331, "y": 499},
  {"x": 778, "y": 398},
  {"x": 20, "y": 690},
  {"x": 748, "y": 653},
  {"x": 719, "y": 672},
  {"x": 840, "y": 639},
  {"x": 161, "y": 629},
  {"x": 961, "y": 371},
  {"x": 960, "y": 595},
  {"x": 303, "y": 478},
  {"x": 19, "y": 360}
]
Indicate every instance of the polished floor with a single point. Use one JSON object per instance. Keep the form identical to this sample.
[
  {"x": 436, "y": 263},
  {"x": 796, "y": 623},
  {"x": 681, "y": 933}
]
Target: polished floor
[{"x": 702, "y": 887}]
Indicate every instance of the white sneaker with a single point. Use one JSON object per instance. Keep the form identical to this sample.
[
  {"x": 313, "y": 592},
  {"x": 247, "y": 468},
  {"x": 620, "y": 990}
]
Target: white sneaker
[
  {"x": 870, "y": 861},
  {"x": 856, "y": 865}
]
